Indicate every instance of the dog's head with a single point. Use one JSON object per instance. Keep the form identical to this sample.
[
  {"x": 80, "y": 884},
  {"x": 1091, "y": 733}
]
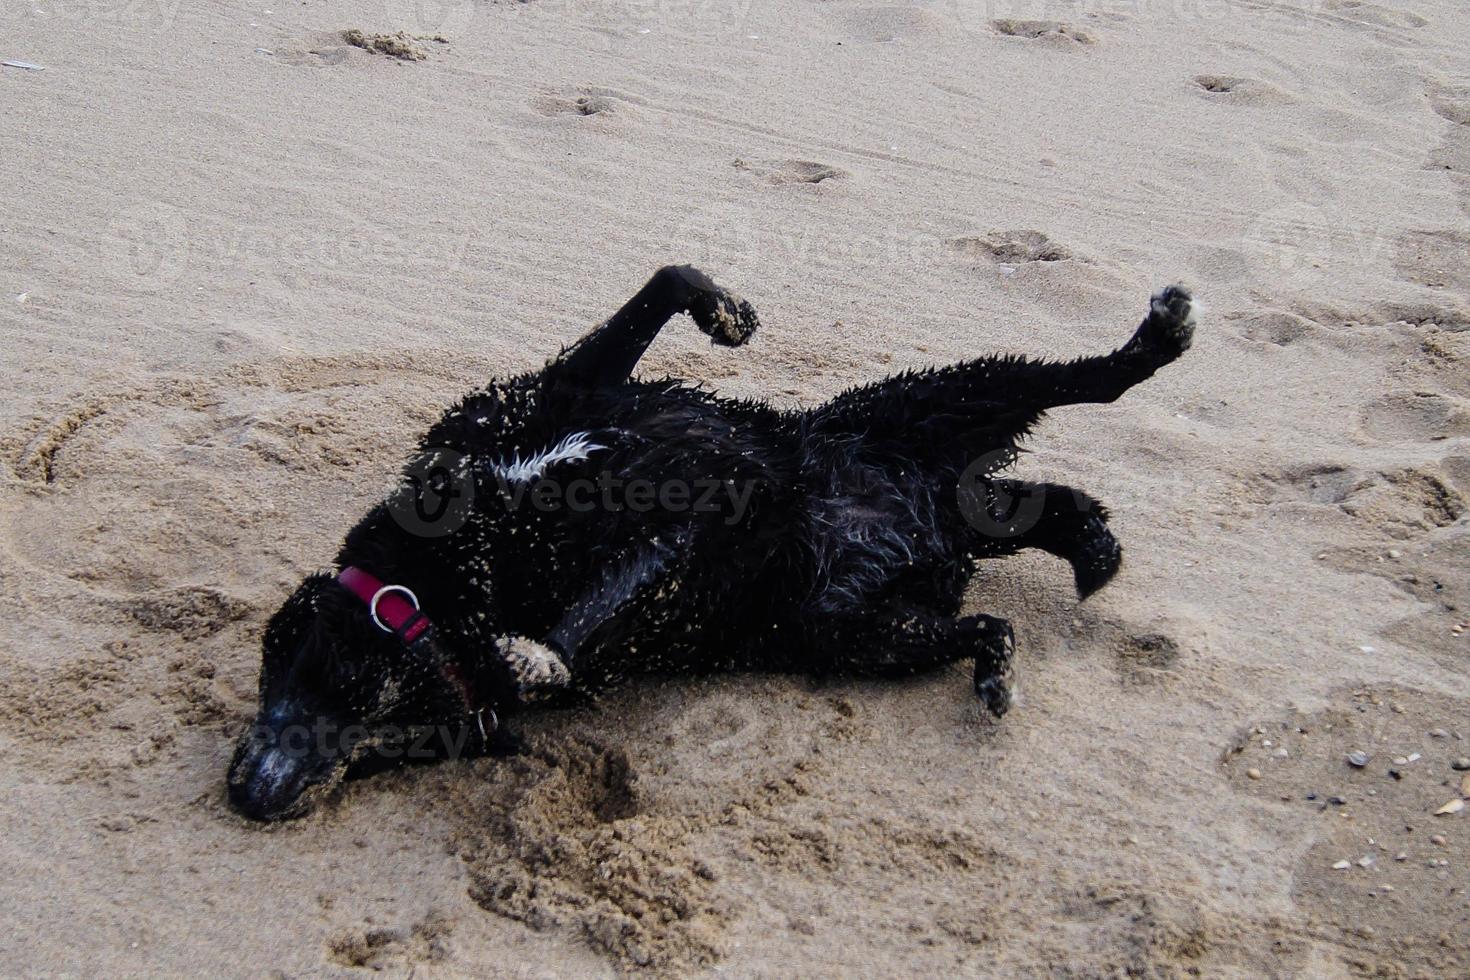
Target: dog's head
[{"x": 335, "y": 689}]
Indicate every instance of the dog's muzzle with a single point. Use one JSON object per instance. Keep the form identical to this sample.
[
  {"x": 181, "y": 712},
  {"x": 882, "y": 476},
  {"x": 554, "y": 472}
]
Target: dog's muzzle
[{"x": 281, "y": 763}]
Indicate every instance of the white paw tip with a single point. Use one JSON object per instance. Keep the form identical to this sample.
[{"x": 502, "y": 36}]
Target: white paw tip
[
  {"x": 1192, "y": 306},
  {"x": 533, "y": 664}
]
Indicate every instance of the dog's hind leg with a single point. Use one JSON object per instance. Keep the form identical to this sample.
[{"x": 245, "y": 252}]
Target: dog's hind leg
[
  {"x": 1164, "y": 335},
  {"x": 1005, "y": 516},
  {"x": 901, "y": 641},
  {"x": 979, "y": 405},
  {"x": 608, "y": 354}
]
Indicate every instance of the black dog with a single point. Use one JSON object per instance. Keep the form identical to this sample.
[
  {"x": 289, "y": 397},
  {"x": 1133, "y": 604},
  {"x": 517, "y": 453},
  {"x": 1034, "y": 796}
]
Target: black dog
[{"x": 572, "y": 526}]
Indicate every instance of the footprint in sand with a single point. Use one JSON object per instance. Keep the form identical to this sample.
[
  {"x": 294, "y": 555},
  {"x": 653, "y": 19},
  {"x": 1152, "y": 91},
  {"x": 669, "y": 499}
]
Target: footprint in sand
[
  {"x": 1347, "y": 325},
  {"x": 586, "y": 102},
  {"x": 1140, "y": 654},
  {"x": 378, "y": 948},
  {"x": 792, "y": 171},
  {"x": 1403, "y": 502},
  {"x": 319, "y": 50},
  {"x": 1452, "y": 155},
  {"x": 1361, "y": 12},
  {"x": 1012, "y": 247},
  {"x": 1237, "y": 90},
  {"x": 1441, "y": 357},
  {"x": 1278, "y": 327},
  {"x": 1451, "y": 102},
  {"x": 1316, "y": 483},
  {"x": 1394, "y": 502},
  {"x": 191, "y": 612},
  {"x": 1415, "y": 416},
  {"x": 1440, "y": 259},
  {"x": 1051, "y": 32}
]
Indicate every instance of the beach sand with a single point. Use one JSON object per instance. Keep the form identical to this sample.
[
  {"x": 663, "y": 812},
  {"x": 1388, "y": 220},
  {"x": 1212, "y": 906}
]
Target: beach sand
[{"x": 244, "y": 262}]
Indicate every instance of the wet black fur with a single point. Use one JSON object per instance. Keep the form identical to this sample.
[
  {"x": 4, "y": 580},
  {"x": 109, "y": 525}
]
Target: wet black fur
[{"x": 864, "y": 519}]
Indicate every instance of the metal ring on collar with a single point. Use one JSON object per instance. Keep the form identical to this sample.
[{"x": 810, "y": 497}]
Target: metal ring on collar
[{"x": 373, "y": 605}]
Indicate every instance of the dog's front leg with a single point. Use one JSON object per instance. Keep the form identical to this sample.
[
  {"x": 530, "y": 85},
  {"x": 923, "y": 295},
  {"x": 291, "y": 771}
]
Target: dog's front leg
[
  {"x": 543, "y": 668},
  {"x": 608, "y": 354}
]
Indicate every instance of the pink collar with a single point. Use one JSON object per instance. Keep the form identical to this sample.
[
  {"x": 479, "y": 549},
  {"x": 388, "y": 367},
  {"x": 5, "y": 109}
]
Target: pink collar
[{"x": 394, "y": 608}]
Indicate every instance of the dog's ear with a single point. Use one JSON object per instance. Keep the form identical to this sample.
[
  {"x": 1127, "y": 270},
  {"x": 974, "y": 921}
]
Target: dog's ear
[{"x": 284, "y": 632}]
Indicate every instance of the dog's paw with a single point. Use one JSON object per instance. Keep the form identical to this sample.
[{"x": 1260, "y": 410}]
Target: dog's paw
[
  {"x": 1096, "y": 560},
  {"x": 995, "y": 666},
  {"x": 535, "y": 669},
  {"x": 1168, "y": 330},
  {"x": 726, "y": 318}
]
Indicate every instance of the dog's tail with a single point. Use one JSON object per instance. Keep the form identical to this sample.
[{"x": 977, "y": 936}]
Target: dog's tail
[{"x": 608, "y": 354}]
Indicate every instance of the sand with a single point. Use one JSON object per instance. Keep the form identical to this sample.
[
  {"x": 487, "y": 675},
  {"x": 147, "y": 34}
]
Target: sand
[{"x": 243, "y": 262}]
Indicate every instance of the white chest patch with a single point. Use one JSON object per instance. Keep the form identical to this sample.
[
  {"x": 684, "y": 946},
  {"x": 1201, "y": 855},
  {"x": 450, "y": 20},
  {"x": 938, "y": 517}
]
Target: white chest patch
[{"x": 573, "y": 448}]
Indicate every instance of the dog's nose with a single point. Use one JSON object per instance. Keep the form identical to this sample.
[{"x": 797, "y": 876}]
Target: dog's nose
[
  {"x": 266, "y": 784},
  {"x": 269, "y": 776}
]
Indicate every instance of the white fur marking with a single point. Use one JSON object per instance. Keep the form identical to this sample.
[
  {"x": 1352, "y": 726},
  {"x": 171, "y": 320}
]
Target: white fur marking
[{"x": 573, "y": 448}]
